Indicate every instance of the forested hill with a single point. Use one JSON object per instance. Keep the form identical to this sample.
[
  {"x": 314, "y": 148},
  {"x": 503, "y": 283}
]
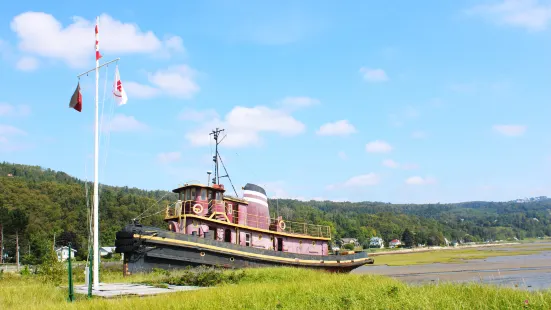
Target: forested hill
[{"x": 36, "y": 203}]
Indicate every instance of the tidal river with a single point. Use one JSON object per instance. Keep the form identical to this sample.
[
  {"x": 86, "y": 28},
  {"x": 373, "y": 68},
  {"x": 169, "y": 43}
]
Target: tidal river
[{"x": 531, "y": 271}]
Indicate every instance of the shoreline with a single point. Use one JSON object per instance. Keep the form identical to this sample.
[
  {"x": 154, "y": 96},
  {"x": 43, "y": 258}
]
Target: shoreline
[
  {"x": 441, "y": 248},
  {"x": 525, "y": 267}
]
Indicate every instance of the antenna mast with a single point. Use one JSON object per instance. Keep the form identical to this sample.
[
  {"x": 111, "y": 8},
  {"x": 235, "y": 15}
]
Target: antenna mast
[
  {"x": 215, "y": 133},
  {"x": 216, "y": 157}
]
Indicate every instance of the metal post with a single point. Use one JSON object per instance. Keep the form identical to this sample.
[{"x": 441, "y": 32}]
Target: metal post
[
  {"x": 1, "y": 244},
  {"x": 70, "y": 269},
  {"x": 91, "y": 260},
  {"x": 17, "y": 249}
]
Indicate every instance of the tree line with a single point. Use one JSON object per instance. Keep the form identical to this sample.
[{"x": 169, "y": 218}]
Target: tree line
[{"x": 40, "y": 205}]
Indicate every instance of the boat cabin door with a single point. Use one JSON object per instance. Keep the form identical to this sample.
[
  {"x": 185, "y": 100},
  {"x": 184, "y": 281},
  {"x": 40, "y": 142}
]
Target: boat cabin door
[{"x": 279, "y": 244}]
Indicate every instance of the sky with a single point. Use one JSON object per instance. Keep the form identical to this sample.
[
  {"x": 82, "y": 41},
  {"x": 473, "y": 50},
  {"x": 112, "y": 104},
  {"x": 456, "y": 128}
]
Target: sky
[{"x": 447, "y": 101}]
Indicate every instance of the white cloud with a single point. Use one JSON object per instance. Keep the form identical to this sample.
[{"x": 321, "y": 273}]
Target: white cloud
[
  {"x": 363, "y": 180},
  {"x": 27, "y": 63},
  {"x": 338, "y": 128},
  {"x": 299, "y": 102},
  {"x": 510, "y": 130},
  {"x": 243, "y": 126},
  {"x": 408, "y": 113},
  {"x": 14, "y": 110},
  {"x": 378, "y": 146},
  {"x": 342, "y": 155},
  {"x": 198, "y": 116},
  {"x": 137, "y": 90},
  {"x": 41, "y": 34},
  {"x": 417, "y": 180},
  {"x": 176, "y": 81},
  {"x": 533, "y": 15},
  {"x": 373, "y": 75},
  {"x": 390, "y": 163},
  {"x": 8, "y": 130},
  {"x": 410, "y": 166},
  {"x": 6, "y": 134},
  {"x": 419, "y": 134},
  {"x": 168, "y": 157},
  {"x": 124, "y": 123}
]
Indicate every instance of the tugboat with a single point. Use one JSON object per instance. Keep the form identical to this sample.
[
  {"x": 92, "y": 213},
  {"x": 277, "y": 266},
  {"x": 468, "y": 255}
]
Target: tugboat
[{"x": 208, "y": 227}]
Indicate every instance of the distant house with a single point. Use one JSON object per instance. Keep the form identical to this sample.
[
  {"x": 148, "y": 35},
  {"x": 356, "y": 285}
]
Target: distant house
[
  {"x": 63, "y": 253},
  {"x": 394, "y": 243},
  {"x": 353, "y": 241},
  {"x": 376, "y": 242},
  {"x": 10, "y": 175},
  {"x": 106, "y": 250}
]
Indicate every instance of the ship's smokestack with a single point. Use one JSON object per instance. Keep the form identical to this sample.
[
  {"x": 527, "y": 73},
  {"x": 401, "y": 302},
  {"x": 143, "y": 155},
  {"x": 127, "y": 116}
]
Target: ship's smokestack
[{"x": 258, "y": 213}]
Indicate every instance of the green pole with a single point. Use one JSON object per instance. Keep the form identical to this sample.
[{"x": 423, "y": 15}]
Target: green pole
[
  {"x": 71, "y": 292},
  {"x": 91, "y": 255}
]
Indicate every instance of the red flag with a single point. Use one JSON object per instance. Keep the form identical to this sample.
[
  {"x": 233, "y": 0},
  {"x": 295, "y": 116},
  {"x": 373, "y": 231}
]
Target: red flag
[
  {"x": 98, "y": 55},
  {"x": 76, "y": 99}
]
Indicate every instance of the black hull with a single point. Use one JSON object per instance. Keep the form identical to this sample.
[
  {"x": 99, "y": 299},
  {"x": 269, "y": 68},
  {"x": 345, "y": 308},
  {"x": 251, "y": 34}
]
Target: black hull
[{"x": 146, "y": 248}]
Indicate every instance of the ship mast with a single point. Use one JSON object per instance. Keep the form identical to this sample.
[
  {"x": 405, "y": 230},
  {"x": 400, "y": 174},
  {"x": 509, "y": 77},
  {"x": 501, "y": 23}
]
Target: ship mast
[
  {"x": 216, "y": 157},
  {"x": 215, "y": 134}
]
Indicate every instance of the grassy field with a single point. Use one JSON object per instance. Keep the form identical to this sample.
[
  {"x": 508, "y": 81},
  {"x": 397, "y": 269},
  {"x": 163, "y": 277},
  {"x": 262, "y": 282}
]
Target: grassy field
[
  {"x": 456, "y": 255},
  {"x": 279, "y": 288}
]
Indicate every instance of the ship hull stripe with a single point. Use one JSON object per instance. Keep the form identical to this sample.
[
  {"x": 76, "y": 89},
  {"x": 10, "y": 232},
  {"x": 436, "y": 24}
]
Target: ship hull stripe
[
  {"x": 237, "y": 252},
  {"x": 254, "y": 193},
  {"x": 257, "y": 201}
]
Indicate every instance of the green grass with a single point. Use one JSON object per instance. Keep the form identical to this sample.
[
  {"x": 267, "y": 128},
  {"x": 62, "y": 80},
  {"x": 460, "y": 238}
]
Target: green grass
[
  {"x": 281, "y": 288},
  {"x": 454, "y": 255}
]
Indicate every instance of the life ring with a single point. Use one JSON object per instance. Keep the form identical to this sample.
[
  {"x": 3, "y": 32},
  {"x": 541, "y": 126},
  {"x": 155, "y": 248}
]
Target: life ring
[
  {"x": 282, "y": 225},
  {"x": 197, "y": 208}
]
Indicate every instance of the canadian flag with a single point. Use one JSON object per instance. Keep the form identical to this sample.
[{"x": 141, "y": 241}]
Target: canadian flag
[{"x": 118, "y": 90}]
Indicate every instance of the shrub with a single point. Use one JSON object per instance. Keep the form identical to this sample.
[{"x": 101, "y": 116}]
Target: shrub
[{"x": 51, "y": 269}]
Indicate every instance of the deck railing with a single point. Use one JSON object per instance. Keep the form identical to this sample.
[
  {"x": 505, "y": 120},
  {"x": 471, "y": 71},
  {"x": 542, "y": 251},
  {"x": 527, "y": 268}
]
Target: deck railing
[{"x": 249, "y": 219}]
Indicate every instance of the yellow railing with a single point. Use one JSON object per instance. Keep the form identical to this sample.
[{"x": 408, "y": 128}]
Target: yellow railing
[{"x": 252, "y": 220}]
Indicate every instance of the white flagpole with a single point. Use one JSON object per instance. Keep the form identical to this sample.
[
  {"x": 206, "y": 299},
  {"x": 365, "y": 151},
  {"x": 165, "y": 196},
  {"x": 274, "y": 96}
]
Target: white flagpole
[{"x": 96, "y": 189}]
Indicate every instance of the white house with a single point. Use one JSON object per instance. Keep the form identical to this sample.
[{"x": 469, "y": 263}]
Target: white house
[
  {"x": 352, "y": 241},
  {"x": 63, "y": 253},
  {"x": 106, "y": 250},
  {"x": 376, "y": 242},
  {"x": 394, "y": 243}
]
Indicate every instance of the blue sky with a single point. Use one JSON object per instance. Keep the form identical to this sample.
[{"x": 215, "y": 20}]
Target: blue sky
[{"x": 442, "y": 102}]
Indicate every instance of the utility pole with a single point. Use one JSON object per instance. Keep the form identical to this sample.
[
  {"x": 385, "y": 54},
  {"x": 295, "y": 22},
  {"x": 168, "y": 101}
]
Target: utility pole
[
  {"x": 1, "y": 244},
  {"x": 17, "y": 249}
]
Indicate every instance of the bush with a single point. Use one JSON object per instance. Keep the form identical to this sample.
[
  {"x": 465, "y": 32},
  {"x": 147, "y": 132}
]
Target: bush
[
  {"x": 348, "y": 246},
  {"x": 201, "y": 276},
  {"x": 52, "y": 269}
]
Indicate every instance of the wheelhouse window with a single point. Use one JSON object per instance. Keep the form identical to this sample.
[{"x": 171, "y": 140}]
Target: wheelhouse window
[
  {"x": 188, "y": 194},
  {"x": 218, "y": 196},
  {"x": 193, "y": 196},
  {"x": 203, "y": 194}
]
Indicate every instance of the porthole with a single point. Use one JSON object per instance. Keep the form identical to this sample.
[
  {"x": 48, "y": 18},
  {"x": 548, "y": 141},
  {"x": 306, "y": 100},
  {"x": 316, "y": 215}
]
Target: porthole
[
  {"x": 272, "y": 238},
  {"x": 313, "y": 242},
  {"x": 232, "y": 259},
  {"x": 259, "y": 237},
  {"x": 300, "y": 242},
  {"x": 202, "y": 253}
]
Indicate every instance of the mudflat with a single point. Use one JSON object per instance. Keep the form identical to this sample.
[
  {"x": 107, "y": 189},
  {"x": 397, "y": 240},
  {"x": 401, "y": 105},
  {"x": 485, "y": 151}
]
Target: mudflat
[{"x": 531, "y": 270}]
